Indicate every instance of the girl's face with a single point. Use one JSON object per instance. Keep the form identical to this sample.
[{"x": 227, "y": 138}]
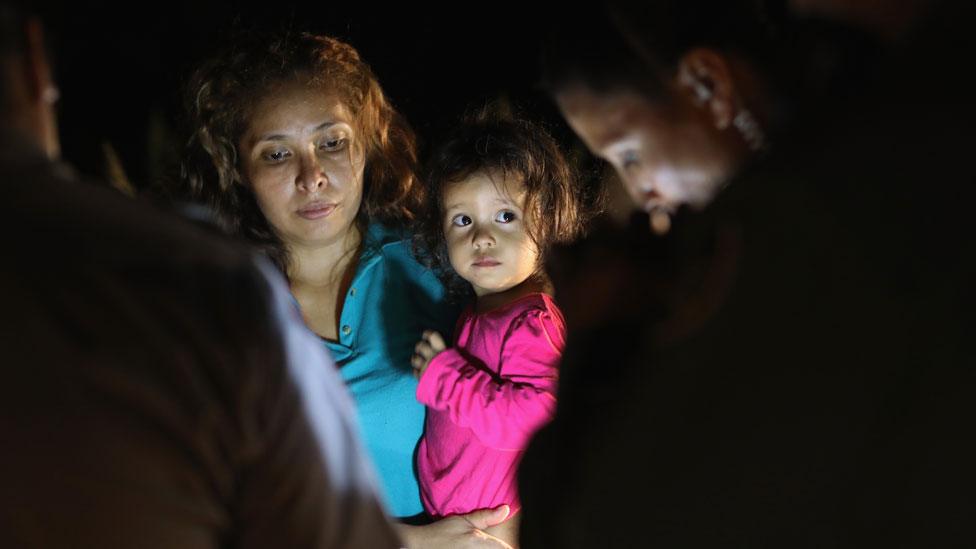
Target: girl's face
[
  {"x": 667, "y": 155},
  {"x": 485, "y": 226},
  {"x": 304, "y": 162}
]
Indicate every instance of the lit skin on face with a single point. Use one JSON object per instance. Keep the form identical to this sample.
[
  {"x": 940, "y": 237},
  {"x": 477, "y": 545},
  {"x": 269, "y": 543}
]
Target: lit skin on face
[
  {"x": 301, "y": 158},
  {"x": 487, "y": 238},
  {"x": 488, "y": 245},
  {"x": 666, "y": 155}
]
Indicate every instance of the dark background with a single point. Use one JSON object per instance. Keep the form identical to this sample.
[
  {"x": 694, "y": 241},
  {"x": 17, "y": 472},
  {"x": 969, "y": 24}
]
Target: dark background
[{"x": 121, "y": 67}]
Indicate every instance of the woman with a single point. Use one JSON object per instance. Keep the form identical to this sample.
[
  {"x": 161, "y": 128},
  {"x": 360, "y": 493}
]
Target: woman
[{"x": 297, "y": 149}]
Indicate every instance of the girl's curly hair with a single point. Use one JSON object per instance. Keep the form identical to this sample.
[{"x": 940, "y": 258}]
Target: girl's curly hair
[{"x": 518, "y": 150}]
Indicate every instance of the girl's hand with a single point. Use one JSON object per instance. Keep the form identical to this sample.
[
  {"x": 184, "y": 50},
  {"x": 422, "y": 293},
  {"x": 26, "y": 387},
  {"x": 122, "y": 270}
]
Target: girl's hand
[
  {"x": 430, "y": 345},
  {"x": 458, "y": 532}
]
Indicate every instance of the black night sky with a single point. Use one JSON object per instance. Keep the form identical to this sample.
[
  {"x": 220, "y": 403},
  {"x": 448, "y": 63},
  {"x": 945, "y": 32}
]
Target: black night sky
[{"x": 121, "y": 66}]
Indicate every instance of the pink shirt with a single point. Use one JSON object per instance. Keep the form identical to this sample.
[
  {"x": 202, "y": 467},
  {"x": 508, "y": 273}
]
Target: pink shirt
[{"x": 486, "y": 397}]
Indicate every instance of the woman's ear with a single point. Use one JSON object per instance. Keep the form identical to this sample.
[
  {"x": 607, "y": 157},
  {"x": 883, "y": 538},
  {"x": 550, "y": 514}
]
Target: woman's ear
[{"x": 705, "y": 77}]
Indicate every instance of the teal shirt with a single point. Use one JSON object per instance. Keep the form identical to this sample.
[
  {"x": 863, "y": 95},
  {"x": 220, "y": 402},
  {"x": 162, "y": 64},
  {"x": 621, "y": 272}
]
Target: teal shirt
[{"x": 391, "y": 301}]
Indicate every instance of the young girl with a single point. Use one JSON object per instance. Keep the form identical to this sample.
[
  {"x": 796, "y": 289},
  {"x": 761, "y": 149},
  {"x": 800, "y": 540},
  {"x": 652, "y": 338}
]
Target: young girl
[{"x": 503, "y": 194}]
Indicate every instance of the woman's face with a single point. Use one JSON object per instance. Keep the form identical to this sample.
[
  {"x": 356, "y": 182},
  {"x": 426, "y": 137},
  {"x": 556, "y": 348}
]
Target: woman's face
[
  {"x": 667, "y": 154},
  {"x": 301, "y": 157}
]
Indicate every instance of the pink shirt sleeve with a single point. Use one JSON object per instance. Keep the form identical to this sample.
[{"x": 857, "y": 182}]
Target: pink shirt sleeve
[{"x": 505, "y": 409}]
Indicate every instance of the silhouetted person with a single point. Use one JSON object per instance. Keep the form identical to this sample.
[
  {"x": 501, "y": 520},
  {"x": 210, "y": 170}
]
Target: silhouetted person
[
  {"x": 159, "y": 389},
  {"x": 821, "y": 393}
]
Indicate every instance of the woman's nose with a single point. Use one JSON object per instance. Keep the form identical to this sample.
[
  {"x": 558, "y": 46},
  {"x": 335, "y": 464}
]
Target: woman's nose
[{"x": 311, "y": 176}]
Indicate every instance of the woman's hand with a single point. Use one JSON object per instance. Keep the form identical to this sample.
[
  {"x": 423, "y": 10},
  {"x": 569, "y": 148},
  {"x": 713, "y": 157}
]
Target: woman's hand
[
  {"x": 429, "y": 346},
  {"x": 458, "y": 532}
]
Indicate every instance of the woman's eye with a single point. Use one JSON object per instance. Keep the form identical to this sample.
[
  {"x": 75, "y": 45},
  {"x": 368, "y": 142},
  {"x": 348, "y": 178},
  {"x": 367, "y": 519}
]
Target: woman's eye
[
  {"x": 505, "y": 216},
  {"x": 333, "y": 145},
  {"x": 277, "y": 156},
  {"x": 460, "y": 220}
]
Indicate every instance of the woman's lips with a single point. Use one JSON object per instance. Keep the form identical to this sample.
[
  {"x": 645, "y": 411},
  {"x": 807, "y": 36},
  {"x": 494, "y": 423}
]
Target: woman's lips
[{"x": 317, "y": 210}]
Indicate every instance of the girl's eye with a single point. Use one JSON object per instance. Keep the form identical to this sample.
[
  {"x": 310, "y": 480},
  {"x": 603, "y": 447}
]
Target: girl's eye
[
  {"x": 333, "y": 145},
  {"x": 505, "y": 216},
  {"x": 277, "y": 156},
  {"x": 629, "y": 159},
  {"x": 460, "y": 220}
]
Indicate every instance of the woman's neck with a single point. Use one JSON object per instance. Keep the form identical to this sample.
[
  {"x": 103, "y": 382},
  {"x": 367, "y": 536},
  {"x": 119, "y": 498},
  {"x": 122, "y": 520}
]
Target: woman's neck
[
  {"x": 325, "y": 264},
  {"x": 320, "y": 277},
  {"x": 538, "y": 283}
]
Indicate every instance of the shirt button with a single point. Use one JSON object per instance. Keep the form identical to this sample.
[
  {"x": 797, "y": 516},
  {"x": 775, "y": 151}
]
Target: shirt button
[
  {"x": 352, "y": 292},
  {"x": 346, "y": 330}
]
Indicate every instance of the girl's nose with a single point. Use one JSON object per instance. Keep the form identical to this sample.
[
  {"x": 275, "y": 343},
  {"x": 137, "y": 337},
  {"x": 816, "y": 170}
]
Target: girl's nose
[{"x": 482, "y": 238}]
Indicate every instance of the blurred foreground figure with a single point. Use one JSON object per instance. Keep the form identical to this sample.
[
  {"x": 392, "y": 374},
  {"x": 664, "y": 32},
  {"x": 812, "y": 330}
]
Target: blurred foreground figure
[
  {"x": 158, "y": 388},
  {"x": 792, "y": 366}
]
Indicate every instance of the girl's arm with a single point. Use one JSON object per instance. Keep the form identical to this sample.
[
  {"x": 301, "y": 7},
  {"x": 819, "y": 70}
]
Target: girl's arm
[{"x": 503, "y": 411}]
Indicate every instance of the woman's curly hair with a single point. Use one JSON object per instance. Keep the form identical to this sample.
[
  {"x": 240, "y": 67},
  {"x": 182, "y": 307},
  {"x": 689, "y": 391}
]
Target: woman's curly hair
[{"x": 220, "y": 98}]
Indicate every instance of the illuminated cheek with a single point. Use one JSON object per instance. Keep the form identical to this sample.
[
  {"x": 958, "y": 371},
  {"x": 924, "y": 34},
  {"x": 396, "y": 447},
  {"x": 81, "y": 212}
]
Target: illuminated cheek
[
  {"x": 349, "y": 186},
  {"x": 259, "y": 174},
  {"x": 455, "y": 249},
  {"x": 632, "y": 185},
  {"x": 357, "y": 195},
  {"x": 668, "y": 181},
  {"x": 524, "y": 247},
  {"x": 263, "y": 196},
  {"x": 530, "y": 256},
  {"x": 271, "y": 196}
]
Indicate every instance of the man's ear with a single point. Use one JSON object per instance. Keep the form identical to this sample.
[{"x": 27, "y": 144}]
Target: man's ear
[
  {"x": 704, "y": 75},
  {"x": 37, "y": 68}
]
